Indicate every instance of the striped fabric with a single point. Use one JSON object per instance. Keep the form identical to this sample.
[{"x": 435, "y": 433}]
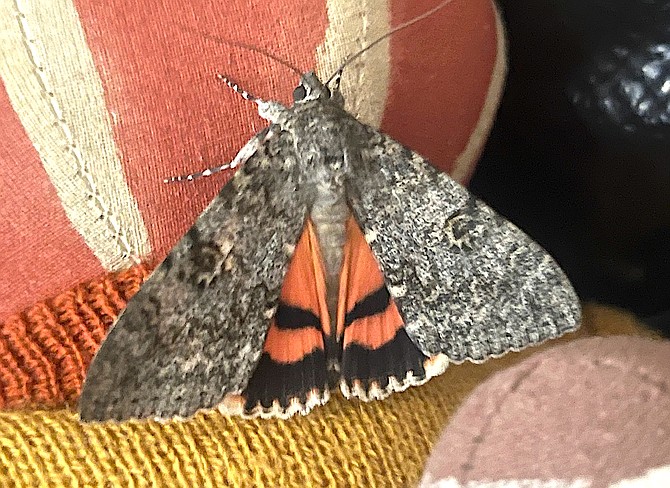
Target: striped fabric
[{"x": 99, "y": 102}]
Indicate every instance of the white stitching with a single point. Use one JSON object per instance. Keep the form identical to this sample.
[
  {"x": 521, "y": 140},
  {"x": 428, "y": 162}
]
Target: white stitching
[{"x": 82, "y": 170}]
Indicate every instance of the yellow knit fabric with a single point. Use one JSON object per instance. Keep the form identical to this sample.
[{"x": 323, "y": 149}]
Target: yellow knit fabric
[{"x": 345, "y": 443}]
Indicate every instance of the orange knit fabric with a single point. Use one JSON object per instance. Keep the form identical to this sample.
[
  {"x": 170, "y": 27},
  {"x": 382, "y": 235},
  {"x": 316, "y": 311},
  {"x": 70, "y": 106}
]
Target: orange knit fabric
[{"x": 45, "y": 350}]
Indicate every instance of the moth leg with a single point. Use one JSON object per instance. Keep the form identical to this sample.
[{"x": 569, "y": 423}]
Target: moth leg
[
  {"x": 337, "y": 78},
  {"x": 334, "y": 86},
  {"x": 198, "y": 174},
  {"x": 237, "y": 89},
  {"x": 242, "y": 156},
  {"x": 269, "y": 110}
]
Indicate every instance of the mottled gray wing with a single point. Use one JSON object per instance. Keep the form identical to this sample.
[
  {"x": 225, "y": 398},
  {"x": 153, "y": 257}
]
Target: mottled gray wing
[
  {"x": 469, "y": 283},
  {"x": 195, "y": 330}
]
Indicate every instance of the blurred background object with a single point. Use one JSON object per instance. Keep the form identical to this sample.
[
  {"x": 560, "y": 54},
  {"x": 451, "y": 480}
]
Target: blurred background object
[{"x": 579, "y": 156}]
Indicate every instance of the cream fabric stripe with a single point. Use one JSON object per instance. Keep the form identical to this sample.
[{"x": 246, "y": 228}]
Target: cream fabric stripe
[
  {"x": 466, "y": 161},
  {"x": 352, "y": 24},
  {"x": 53, "y": 84}
]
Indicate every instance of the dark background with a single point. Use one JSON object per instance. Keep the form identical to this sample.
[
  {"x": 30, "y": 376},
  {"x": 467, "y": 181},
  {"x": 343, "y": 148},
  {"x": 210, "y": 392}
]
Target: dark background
[{"x": 579, "y": 156}]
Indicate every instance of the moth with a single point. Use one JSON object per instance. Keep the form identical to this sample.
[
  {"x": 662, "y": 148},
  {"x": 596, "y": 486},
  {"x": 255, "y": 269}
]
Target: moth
[{"x": 335, "y": 257}]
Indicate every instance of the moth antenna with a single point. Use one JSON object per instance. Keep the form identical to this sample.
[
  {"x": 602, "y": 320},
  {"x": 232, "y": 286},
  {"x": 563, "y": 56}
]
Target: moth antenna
[
  {"x": 400, "y": 27},
  {"x": 199, "y": 174},
  {"x": 248, "y": 47},
  {"x": 237, "y": 89}
]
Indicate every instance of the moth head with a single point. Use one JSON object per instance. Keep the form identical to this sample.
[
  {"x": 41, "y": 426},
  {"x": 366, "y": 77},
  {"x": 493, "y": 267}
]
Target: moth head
[{"x": 311, "y": 88}]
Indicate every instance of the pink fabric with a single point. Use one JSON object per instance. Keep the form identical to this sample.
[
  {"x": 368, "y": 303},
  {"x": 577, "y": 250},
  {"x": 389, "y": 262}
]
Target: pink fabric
[
  {"x": 595, "y": 410},
  {"x": 41, "y": 252}
]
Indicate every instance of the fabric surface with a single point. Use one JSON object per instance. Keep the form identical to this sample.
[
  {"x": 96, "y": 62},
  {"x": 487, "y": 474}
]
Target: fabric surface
[
  {"x": 594, "y": 412},
  {"x": 45, "y": 350},
  {"x": 344, "y": 443},
  {"x": 99, "y": 102}
]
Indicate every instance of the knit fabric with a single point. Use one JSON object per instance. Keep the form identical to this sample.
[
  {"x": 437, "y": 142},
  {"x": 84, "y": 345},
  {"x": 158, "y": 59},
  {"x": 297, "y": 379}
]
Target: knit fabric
[
  {"x": 45, "y": 351},
  {"x": 345, "y": 443}
]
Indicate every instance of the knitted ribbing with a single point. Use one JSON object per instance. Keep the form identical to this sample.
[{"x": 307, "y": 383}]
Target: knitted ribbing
[{"x": 45, "y": 351}]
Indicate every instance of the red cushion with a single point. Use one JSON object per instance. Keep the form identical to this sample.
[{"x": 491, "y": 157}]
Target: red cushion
[{"x": 98, "y": 107}]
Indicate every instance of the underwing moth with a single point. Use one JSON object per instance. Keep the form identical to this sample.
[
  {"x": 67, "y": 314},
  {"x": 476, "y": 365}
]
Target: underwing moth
[{"x": 334, "y": 258}]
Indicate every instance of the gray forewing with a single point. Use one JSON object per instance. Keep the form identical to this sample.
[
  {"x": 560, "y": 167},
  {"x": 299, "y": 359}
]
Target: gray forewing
[
  {"x": 195, "y": 330},
  {"x": 469, "y": 283}
]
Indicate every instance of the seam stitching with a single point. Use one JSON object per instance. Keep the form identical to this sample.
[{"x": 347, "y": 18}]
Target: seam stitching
[{"x": 83, "y": 171}]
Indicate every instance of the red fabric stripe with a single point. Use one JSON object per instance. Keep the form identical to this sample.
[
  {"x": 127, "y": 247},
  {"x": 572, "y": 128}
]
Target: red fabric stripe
[
  {"x": 41, "y": 253},
  {"x": 168, "y": 108},
  {"x": 436, "y": 94}
]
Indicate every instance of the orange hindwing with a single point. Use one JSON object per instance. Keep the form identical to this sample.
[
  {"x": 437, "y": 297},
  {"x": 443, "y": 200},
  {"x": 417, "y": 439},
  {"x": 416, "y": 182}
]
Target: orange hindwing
[{"x": 377, "y": 356}]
